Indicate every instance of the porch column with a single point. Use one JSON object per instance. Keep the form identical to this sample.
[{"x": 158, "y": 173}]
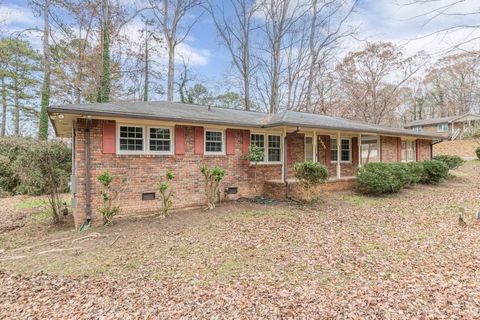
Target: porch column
[
  {"x": 359, "y": 150},
  {"x": 339, "y": 155},
  {"x": 314, "y": 141}
]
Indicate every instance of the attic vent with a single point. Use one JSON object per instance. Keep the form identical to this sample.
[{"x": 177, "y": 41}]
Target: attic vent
[{"x": 148, "y": 196}]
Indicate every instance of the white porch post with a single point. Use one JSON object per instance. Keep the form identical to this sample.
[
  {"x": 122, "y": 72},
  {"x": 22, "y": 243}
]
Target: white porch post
[
  {"x": 314, "y": 141},
  {"x": 359, "y": 150},
  {"x": 339, "y": 155}
]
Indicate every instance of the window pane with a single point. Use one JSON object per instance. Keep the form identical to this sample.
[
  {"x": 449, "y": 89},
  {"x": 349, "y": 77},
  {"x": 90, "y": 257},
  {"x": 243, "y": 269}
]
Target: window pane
[
  {"x": 213, "y": 141},
  {"x": 309, "y": 148},
  {"x": 273, "y": 148},
  {"x": 131, "y": 138},
  {"x": 160, "y": 139},
  {"x": 258, "y": 140}
]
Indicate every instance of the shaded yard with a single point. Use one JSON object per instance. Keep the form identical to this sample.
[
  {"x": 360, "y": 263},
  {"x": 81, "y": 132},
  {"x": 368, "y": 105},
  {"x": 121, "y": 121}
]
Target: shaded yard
[{"x": 348, "y": 256}]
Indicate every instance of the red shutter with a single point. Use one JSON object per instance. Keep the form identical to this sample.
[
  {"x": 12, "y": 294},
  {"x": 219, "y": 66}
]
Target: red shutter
[
  {"x": 199, "y": 140},
  {"x": 109, "y": 137},
  {"x": 289, "y": 151},
  {"x": 179, "y": 140},
  {"x": 230, "y": 142},
  {"x": 355, "y": 150},
  {"x": 399, "y": 149},
  {"x": 326, "y": 140},
  {"x": 419, "y": 150}
]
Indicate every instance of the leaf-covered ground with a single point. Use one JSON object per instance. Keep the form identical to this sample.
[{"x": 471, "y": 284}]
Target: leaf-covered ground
[{"x": 348, "y": 256}]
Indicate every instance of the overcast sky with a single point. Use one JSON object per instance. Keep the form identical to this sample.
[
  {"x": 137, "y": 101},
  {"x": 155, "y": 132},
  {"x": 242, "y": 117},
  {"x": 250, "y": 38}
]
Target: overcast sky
[{"x": 385, "y": 20}]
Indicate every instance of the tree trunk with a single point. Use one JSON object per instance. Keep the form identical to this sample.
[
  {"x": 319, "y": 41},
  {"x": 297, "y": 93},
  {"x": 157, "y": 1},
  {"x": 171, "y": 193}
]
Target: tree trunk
[
  {"x": 43, "y": 121},
  {"x": 16, "y": 112},
  {"x": 171, "y": 70},
  {"x": 313, "y": 57},
  {"x": 105, "y": 84},
  {"x": 145, "y": 88},
  {"x": 4, "y": 107}
]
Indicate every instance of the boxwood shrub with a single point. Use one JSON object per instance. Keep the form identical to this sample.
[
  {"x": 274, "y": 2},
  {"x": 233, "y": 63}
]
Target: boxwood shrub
[
  {"x": 379, "y": 178},
  {"x": 452, "y": 162},
  {"x": 416, "y": 172},
  {"x": 477, "y": 151},
  {"x": 434, "y": 171}
]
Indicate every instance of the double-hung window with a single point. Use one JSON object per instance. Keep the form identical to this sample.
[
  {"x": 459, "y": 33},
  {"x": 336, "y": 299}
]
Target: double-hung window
[
  {"x": 270, "y": 144},
  {"x": 345, "y": 150},
  {"x": 135, "y": 139},
  {"x": 214, "y": 142},
  {"x": 409, "y": 150},
  {"x": 160, "y": 140},
  {"x": 131, "y": 139}
]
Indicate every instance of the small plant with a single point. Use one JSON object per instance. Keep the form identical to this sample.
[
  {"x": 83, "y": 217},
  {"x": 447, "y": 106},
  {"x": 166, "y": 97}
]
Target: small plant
[
  {"x": 434, "y": 171},
  {"x": 166, "y": 194},
  {"x": 109, "y": 195},
  {"x": 477, "y": 152},
  {"x": 213, "y": 177},
  {"x": 452, "y": 162},
  {"x": 308, "y": 174},
  {"x": 255, "y": 155}
]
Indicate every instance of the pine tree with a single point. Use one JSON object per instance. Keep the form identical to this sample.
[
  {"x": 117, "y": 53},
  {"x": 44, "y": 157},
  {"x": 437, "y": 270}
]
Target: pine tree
[
  {"x": 43, "y": 122},
  {"x": 105, "y": 84}
]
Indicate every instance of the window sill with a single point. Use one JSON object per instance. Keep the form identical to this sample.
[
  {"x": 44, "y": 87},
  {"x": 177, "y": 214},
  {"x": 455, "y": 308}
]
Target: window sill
[{"x": 276, "y": 163}]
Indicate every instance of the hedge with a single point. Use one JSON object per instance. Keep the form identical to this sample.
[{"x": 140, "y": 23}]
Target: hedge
[
  {"x": 380, "y": 178},
  {"x": 452, "y": 162}
]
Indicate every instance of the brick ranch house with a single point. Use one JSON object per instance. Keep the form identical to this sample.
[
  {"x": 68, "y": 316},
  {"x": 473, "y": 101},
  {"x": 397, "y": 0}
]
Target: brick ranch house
[{"x": 141, "y": 140}]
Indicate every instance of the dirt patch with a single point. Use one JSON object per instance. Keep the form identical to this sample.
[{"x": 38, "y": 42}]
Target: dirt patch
[{"x": 347, "y": 256}]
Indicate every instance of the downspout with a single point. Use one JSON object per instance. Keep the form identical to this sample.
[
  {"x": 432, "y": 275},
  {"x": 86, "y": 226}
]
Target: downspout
[
  {"x": 285, "y": 158},
  {"x": 88, "y": 205}
]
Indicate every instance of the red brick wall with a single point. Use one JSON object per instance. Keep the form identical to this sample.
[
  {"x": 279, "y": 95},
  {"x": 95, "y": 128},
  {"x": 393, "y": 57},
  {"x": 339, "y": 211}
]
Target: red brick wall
[
  {"x": 388, "y": 146},
  {"x": 425, "y": 150},
  {"x": 144, "y": 171}
]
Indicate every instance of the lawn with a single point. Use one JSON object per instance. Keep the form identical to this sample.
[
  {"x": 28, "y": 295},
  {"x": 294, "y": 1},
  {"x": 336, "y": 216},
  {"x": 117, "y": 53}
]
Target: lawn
[{"x": 346, "y": 256}]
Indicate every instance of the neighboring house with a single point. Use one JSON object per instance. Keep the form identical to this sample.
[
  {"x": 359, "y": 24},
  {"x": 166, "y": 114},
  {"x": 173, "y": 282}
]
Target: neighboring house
[
  {"x": 452, "y": 128},
  {"x": 140, "y": 141}
]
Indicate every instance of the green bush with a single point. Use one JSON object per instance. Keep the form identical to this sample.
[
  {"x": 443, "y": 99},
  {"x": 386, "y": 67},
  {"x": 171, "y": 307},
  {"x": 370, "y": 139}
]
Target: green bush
[
  {"x": 109, "y": 194},
  {"x": 416, "y": 172},
  {"x": 380, "y": 178},
  {"x": 434, "y": 171},
  {"x": 213, "y": 177},
  {"x": 309, "y": 173},
  {"x": 22, "y": 165},
  {"x": 477, "y": 151},
  {"x": 452, "y": 162},
  {"x": 401, "y": 171}
]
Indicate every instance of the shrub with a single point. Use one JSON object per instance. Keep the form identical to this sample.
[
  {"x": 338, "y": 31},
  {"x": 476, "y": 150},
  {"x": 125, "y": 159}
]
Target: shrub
[
  {"x": 401, "y": 171},
  {"x": 434, "y": 171},
  {"x": 22, "y": 165},
  {"x": 213, "y": 177},
  {"x": 379, "y": 178},
  {"x": 255, "y": 155},
  {"x": 109, "y": 194},
  {"x": 477, "y": 151},
  {"x": 166, "y": 197},
  {"x": 452, "y": 162},
  {"x": 309, "y": 173},
  {"x": 416, "y": 172}
]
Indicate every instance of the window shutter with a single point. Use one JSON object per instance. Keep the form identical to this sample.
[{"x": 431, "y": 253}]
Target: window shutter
[
  {"x": 230, "y": 141},
  {"x": 289, "y": 151},
  {"x": 109, "y": 142},
  {"x": 246, "y": 142},
  {"x": 179, "y": 140},
  {"x": 419, "y": 149},
  {"x": 199, "y": 147},
  {"x": 326, "y": 140},
  {"x": 355, "y": 150},
  {"x": 399, "y": 149}
]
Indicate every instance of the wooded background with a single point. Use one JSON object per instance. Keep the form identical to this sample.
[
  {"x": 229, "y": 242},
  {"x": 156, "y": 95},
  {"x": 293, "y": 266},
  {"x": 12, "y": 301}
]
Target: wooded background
[{"x": 284, "y": 54}]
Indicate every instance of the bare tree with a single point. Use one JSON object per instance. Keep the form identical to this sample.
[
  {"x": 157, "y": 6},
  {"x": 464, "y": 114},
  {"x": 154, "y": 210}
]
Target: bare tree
[
  {"x": 372, "y": 80},
  {"x": 235, "y": 31},
  {"x": 171, "y": 14}
]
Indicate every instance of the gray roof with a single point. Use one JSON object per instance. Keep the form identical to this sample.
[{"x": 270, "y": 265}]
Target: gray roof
[
  {"x": 432, "y": 121},
  {"x": 189, "y": 113}
]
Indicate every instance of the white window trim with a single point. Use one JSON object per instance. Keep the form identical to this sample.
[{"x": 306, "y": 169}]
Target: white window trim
[
  {"x": 212, "y": 153},
  {"x": 305, "y": 147},
  {"x": 349, "y": 149},
  {"x": 265, "y": 146},
  {"x": 414, "y": 149},
  {"x": 418, "y": 129},
  {"x": 146, "y": 140},
  {"x": 118, "y": 139},
  {"x": 442, "y": 130},
  {"x": 172, "y": 139}
]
